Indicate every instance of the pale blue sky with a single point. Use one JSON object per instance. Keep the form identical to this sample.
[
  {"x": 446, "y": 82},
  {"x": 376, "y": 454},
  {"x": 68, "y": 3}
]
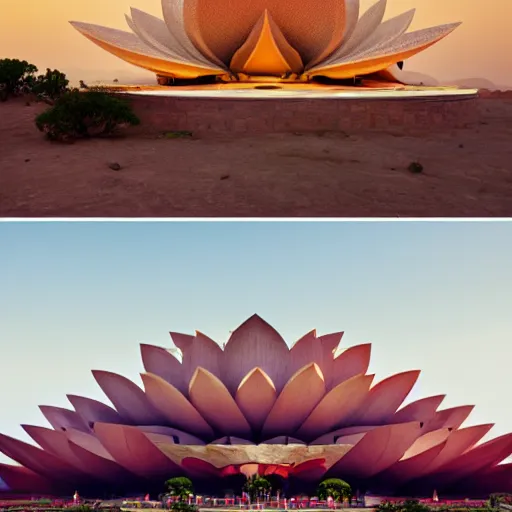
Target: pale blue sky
[{"x": 78, "y": 296}]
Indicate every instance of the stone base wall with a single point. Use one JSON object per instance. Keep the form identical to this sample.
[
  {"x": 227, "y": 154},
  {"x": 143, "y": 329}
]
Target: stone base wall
[{"x": 221, "y": 117}]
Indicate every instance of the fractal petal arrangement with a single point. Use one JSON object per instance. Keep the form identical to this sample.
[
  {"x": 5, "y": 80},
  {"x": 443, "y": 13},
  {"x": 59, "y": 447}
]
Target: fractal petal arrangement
[
  {"x": 294, "y": 40},
  {"x": 256, "y": 406}
]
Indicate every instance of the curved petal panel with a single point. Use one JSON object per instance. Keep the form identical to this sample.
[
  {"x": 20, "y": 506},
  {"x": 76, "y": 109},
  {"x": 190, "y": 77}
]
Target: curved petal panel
[
  {"x": 132, "y": 449},
  {"x": 91, "y": 410},
  {"x": 482, "y": 456},
  {"x": 255, "y": 397},
  {"x": 364, "y": 28},
  {"x": 304, "y": 351},
  {"x": 55, "y": 443},
  {"x": 174, "y": 406},
  {"x": 421, "y": 410},
  {"x": 24, "y": 480},
  {"x": 427, "y": 441},
  {"x": 37, "y": 460},
  {"x": 159, "y": 361},
  {"x": 351, "y": 362},
  {"x": 335, "y": 406},
  {"x": 212, "y": 399},
  {"x": 457, "y": 443},
  {"x": 384, "y": 56},
  {"x": 384, "y": 399},
  {"x": 449, "y": 418},
  {"x": 130, "y": 48},
  {"x": 379, "y": 449},
  {"x": 299, "y": 397},
  {"x": 201, "y": 352},
  {"x": 177, "y": 436},
  {"x": 129, "y": 400},
  {"x": 385, "y": 34},
  {"x": 173, "y": 12},
  {"x": 254, "y": 344},
  {"x": 61, "y": 419},
  {"x": 181, "y": 340},
  {"x": 344, "y": 435},
  {"x": 154, "y": 32}
]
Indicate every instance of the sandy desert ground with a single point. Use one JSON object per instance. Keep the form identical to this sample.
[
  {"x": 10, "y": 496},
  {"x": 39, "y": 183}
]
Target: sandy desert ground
[{"x": 467, "y": 173}]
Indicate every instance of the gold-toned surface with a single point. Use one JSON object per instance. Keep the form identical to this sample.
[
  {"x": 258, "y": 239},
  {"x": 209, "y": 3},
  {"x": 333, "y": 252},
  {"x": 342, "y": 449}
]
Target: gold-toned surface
[
  {"x": 225, "y": 455},
  {"x": 222, "y": 26},
  {"x": 266, "y": 51}
]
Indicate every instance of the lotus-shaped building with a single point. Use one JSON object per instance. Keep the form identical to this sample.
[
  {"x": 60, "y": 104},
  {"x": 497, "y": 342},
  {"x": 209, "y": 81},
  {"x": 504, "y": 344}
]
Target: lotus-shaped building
[
  {"x": 256, "y": 406},
  {"x": 291, "y": 39}
]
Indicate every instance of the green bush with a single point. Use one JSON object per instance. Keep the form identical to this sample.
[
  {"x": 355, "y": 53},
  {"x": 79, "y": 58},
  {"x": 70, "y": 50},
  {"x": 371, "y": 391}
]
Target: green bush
[
  {"x": 52, "y": 84},
  {"x": 336, "y": 488},
  {"x": 16, "y": 77},
  {"x": 183, "y": 506},
  {"x": 179, "y": 486},
  {"x": 85, "y": 114}
]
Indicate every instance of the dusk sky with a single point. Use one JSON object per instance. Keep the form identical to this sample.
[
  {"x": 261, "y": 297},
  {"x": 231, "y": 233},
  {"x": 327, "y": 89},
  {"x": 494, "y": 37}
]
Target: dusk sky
[
  {"x": 81, "y": 296},
  {"x": 38, "y": 31}
]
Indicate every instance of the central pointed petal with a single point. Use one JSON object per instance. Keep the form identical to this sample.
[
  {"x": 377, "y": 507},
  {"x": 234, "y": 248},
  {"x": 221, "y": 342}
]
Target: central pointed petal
[
  {"x": 266, "y": 51},
  {"x": 221, "y": 27}
]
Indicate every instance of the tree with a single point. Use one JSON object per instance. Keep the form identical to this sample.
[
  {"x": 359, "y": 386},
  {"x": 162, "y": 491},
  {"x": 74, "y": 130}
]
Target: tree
[
  {"x": 338, "y": 489},
  {"x": 16, "y": 77},
  {"x": 52, "y": 84},
  {"x": 180, "y": 486},
  {"x": 256, "y": 486}
]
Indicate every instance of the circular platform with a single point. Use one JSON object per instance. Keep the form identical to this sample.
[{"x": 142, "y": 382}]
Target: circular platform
[{"x": 248, "y": 109}]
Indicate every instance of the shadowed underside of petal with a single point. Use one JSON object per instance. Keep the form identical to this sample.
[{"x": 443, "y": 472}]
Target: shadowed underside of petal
[
  {"x": 221, "y": 27},
  {"x": 299, "y": 397},
  {"x": 266, "y": 51},
  {"x": 452, "y": 418},
  {"x": 174, "y": 406},
  {"x": 482, "y": 456},
  {"x": 385, "y": 56},
  {"x": 20, "y": 479},
  {"x": 133, "y": 450},
  {"x": 377, "y": 450},
  {"x": 407, "y": 469},
  {"x": 384, "y": 399},
  {"x": 159, "y": 361},
  {"x": 351, "y": 362},
  {"x": 173, "y": 434},
  {"x": 420, "y": 410},
  {"x": 91, "y": 410},
  {"x": 344, "y": 435},
  {"x": 60, "y": 418},
  {"x": 37, "y": 460},
  {"x": 55, "y": 443},
  {"x": 130, "y": 48},
  {"x": 336, "y": 405},
  {"x": 254, "y": 344},
  {"x": 457, "y": 443},
  {"x": 212, "y": 399},
  {"x": 255, "y": 397},
  {"x": 129, "y": 400}
]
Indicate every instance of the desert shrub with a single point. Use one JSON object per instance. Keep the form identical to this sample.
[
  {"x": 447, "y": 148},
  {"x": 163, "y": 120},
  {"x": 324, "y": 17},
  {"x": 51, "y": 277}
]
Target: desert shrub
[
  {"x": 52, "y": 84},
  {"x": 16, "y": 77},
  {"x": 85, "y": 114}
]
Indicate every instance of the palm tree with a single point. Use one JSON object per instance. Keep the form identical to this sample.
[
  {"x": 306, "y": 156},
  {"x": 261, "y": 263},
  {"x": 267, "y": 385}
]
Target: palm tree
[{"x": 256, "y": 486}]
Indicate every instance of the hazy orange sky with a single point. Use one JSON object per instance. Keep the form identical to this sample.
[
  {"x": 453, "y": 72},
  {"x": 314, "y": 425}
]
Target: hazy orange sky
[{"x": 38, "y": 31}]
